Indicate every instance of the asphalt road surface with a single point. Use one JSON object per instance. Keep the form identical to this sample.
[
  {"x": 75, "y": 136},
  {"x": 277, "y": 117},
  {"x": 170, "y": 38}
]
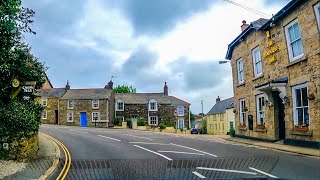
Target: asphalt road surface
[{"x": 99, "y": 153}]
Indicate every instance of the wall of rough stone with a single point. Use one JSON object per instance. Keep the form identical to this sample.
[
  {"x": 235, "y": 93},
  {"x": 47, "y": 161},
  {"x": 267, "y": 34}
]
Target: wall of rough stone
[
  {"x": 52, "y": 105},
  {"x": 302, "y": 71}
]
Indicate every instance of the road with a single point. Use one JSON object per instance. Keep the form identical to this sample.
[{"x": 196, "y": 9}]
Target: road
[{"x": 99, "y": 153}]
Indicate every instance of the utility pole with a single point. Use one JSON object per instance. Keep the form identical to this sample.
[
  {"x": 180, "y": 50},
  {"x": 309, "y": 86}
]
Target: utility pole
[{"x": 202, "y": 110}]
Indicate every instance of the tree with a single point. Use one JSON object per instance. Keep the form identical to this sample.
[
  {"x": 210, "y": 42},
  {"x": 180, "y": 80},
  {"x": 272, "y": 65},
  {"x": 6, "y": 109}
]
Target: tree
[
  {"x": 192, "y": 116},
  {"x": 18, "y": 117},
  {"x": 124, "y": 89}
]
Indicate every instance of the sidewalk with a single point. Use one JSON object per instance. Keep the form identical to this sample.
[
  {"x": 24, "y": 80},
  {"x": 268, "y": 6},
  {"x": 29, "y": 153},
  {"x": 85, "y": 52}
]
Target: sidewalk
[{"x": 42, "y": 166}]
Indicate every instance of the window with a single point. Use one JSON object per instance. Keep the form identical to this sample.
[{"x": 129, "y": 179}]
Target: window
[
  {"x": 153, "y": 120},
  {"x": 240, "y": 71},
  {"x": 70, "y": 104},
  {"x": 95, "y": 116},
  {"x": 44, "y": 114},
  {"x": 180, "y": 110},
  {"x": 294, "y": 42},
  {"x": 44, "y": 101},
  {"x": 260, "y": 102},
  {"x": 153, "y": 105},
  {"x": 242, "y": 112},
  {"x": 69, "y": 117},
  {"x": 119, "y": 105},
  {"x": 216, "y": 126},
  {"x": 257, "y": 64},
  {"x": 300, "y": 105},
  {"x": 180, "y": 123},
  {"x": 317, "y": 11},
  {"x": 95, "y": 104}
]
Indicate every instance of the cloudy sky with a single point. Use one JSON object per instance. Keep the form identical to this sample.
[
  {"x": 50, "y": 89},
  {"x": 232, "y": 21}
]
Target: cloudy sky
[{"x": 142, "y": 43}]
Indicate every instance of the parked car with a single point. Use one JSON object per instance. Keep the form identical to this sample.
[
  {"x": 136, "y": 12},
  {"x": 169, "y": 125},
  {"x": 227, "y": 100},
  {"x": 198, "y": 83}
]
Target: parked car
[{"x": 194, "y": 131}]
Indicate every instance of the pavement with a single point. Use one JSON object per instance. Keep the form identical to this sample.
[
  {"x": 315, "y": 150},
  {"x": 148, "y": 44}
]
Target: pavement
[
  {"x": 99, "y": 153},
  {"x": 42, "y": 166}
]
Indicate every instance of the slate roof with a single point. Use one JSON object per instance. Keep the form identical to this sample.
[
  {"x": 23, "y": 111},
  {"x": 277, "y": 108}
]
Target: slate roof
[
  {"x": 220, "y": 107},
  {"x": 53, "y": 92},
  {"x": 177, "y": 102},
  {"x": 98, "y": 93},
  {"x": 142, "y": 98}
]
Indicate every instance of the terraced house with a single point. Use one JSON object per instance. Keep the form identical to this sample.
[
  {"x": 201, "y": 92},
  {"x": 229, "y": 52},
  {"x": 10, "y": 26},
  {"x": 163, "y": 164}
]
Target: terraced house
[
  {"x": 152, "y": 107},
  {"x": 276, "y": 76}
]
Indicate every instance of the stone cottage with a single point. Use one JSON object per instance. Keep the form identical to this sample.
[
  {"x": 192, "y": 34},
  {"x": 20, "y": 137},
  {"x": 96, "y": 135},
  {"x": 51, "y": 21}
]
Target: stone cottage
[
  {"x": 152, "y": 107},
  {"x": 276, "y": 76}
]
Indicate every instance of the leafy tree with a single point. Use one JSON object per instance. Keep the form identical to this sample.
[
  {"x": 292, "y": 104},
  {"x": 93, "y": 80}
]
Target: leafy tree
[
  {"x": 192, "y": 116},
  {"x": 17, "y": 116},
  {"x": 124, "y": 89}
]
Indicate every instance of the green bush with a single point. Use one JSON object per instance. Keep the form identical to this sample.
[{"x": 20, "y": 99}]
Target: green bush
[
  {"x": 19, "y": 119},
  {"x": 169, "y": 123},
  {"x": 141, "y": 122},
  {"x": 162, "y": 126},
  {"x": 181, "y": 129},
  {"x": 232, "y": 132}
]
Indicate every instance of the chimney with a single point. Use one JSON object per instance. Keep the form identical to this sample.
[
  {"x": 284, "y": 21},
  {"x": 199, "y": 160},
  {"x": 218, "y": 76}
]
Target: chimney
[
  {"x": 244, "y": 25},
  {"x": 217, "y": 99},
  {"x": 110, "y": 84},
  {"x": 67, "y": 85},
  {"x": 165, "y": 89}
]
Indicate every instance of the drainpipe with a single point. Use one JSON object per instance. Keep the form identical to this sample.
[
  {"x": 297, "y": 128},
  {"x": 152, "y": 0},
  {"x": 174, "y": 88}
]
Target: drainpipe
[
  {"x": 58, "y": 111},
  {"x": 189, "y": 118}
]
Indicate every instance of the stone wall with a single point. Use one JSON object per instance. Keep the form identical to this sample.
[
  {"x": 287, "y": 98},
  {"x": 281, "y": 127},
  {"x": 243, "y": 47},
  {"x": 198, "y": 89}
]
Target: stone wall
[
  {"x": 83, "y": 106},
  {"x": 185, "y": 117},
  {"x": 302, "y": 71},
  {"x": 52, "y": 106},
  {"x": 216, "y": 123}
]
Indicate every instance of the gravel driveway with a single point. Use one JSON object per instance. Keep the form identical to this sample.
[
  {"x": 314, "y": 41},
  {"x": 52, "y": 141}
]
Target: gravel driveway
[{"x": 10, "y": 167}]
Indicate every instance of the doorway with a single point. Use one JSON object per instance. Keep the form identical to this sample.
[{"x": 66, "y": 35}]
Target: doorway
[
  {"x": 83, "y": 119},
  {"x": 279, "y": 115},
  {"x": 56, "y": 117}
]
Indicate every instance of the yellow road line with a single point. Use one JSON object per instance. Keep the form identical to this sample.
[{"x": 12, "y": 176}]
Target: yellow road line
[{"x": 67, "y": 163}]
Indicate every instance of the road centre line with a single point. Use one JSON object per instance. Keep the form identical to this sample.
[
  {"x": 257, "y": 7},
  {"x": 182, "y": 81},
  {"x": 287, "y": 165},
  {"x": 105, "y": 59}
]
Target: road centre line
[
  {"x": 78, "y": 131},
  {"x": 147, "y": 143},
  {"x": 194, "y": 149},
  {"x": 138, "y": 136},
  {"x": 262, "y": 172},
  {"x": 154, "y": 152},
  {"x": 109, "y": 138},
  {"x": 178, "y": 152},
  {"x": 227, "y": 170},
  {"x": 199, "y": 175}
]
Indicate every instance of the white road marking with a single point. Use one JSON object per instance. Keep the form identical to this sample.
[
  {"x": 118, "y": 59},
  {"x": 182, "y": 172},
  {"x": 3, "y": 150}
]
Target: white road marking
[
  {"x": 262, "y": 172},
  {"x": 194, "y": 149},
  {"x": 147, "y": 143},
  {"x": 77, "y": 131},
  {"x": 199, "y": 175},
  {"x": 109, "y": 138},
  {"x": 154, "y": 152},
  {"x": 138, "y": 136},
  {"x": 227, "y": 170},
  {"x": 178, "y": 152}
]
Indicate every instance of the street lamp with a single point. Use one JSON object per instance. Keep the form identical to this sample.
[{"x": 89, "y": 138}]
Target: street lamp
[{"x": 223, "y": 62}]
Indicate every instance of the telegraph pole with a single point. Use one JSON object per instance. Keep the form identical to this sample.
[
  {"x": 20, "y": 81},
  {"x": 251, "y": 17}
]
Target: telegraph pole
[{"x": 202, "y": 110}]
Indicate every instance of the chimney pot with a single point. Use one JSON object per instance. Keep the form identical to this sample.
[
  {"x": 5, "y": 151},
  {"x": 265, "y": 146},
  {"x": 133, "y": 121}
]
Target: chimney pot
[
  {"x": 67, "y": 85},
  {"x": 244, "y": 25},
  {"x": 218, "y": 99},
  {"x": 165, "y": 89}
]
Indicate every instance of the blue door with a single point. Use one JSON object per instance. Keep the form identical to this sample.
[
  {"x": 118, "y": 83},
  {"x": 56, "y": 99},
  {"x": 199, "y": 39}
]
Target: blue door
[{"x": 83, "y": 119}]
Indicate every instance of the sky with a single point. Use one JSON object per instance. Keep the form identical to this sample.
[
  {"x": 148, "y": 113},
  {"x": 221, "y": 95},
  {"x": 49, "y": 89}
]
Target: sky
[{"x": 143, "y": 43}]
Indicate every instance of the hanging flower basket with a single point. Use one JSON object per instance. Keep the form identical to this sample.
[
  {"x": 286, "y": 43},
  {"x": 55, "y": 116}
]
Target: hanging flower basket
[{"x": 301, "y": 128}]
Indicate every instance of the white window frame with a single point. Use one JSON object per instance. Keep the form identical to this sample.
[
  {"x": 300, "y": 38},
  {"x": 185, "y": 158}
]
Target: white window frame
[
  {"x": 295, "y": 108},
  {"x": 156, "y": 119},
  {"x": 317, "y": 11},
  {"x": 242, "y": 118},
  {"x": 68, "y": 115},
  {"x": 261, "y": 97},
  {"x": 44, "y": 100},
  {"x": 155, "y": 105},
  {"x": 289, "y": 46},
  {"x": 95, "y": 103},
  {"x": 180, "y": 110},
  {"x": 92, "y": 116},
  {"x": 257, "y": 62},
  {"x": 240, "y": 70},
  {"x": 44, "y": 112},
  {"x": 118, "y": 103},
  {"x": 179, "y": 123},
  {"x": 68, "y": 104}
]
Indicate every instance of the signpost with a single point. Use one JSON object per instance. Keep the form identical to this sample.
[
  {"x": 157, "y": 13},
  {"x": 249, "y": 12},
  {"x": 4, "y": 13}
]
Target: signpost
[{"x": 27, "y": 87}]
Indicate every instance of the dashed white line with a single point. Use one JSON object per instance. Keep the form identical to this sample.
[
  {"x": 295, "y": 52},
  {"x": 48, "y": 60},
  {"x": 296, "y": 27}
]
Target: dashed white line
[
  {"x": 147, "y": 143},
  {"x": 194, "y": 150},
  {"x": 227, "y": 170},
  {"x": 78, "y": 131},
  {"x": 262, "y": 172},
  {"x": 138, "y": 136},
  {"x": 199, "y": 175},
  {"x": 154, "y": 152},
  {"x": 178, "y": 152},
  {"x": 109, "y": 138}
]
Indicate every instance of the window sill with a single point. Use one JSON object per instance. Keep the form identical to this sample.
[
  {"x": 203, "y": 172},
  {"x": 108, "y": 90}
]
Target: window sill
[
  {"x": 301, "y": 133},
  {"x": 242, "y": 127},
  {"x": 258, "y": 129},
  {"x": 241, "y": 84},
  {"x": 303, "y": 58},
  {"x": 301, "y": 128},
  {"x": 258, "y": 77}
]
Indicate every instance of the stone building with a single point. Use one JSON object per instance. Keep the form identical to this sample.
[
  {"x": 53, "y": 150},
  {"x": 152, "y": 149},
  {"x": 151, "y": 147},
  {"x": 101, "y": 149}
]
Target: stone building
[
  {"x": 152, "y": 107},
  {"x": 217, "y": 119},
  {"x": 276, "y": 76}
]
